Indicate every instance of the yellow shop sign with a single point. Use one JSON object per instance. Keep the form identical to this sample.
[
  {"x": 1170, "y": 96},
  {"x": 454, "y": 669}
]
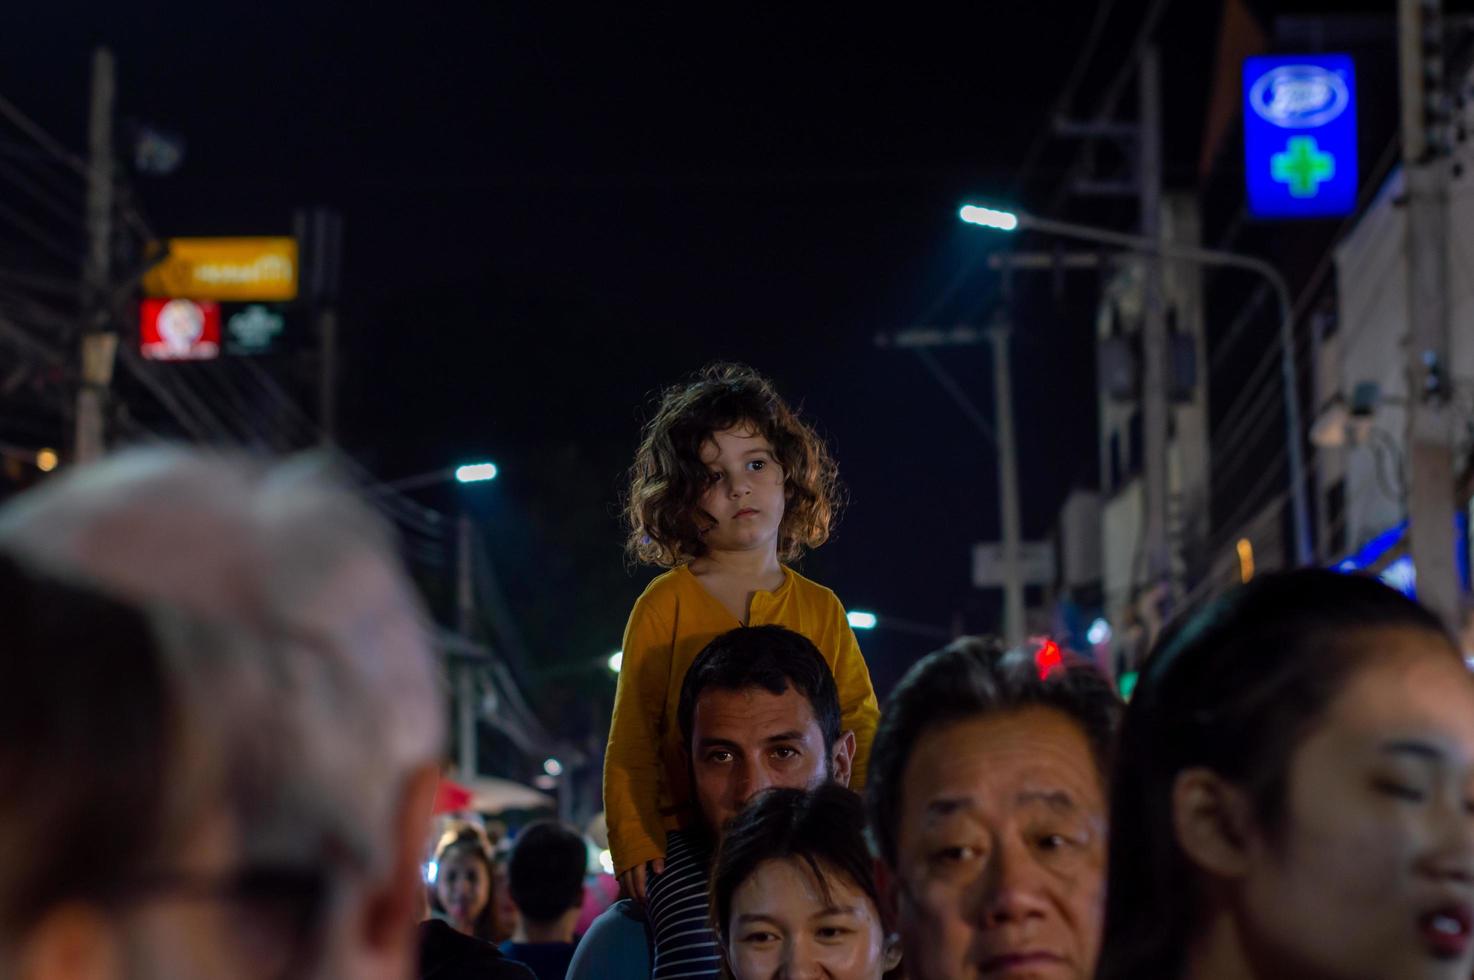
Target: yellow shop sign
[{"x": 226, "y": 268}]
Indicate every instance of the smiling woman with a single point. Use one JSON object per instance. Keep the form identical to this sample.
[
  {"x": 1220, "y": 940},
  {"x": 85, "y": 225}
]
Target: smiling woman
[{"x": 793, "y": 892}]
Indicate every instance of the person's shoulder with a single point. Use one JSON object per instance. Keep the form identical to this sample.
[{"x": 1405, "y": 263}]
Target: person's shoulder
[
  {"x": 812, "y": 592},
  {"x": 616, "y": 946},
  {"x": 446, "y": 954},
  {"x": 664, "y": 591}
]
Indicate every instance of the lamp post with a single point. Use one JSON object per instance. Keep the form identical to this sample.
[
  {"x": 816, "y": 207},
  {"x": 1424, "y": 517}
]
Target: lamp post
[
  {"x": 1017, "y": 220},
  {"x": 862, "y": 620},
  {"x": 479, "y": 472}
]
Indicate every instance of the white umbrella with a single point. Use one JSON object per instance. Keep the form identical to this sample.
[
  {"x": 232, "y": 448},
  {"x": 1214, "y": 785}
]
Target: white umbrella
[{"x": 492, "y": 795}]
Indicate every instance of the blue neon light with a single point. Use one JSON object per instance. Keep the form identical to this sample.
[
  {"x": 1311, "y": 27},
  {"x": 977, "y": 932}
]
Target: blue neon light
[
  {"x": 1369, "y": 553},
  {"x": 1300, "y": 154}
]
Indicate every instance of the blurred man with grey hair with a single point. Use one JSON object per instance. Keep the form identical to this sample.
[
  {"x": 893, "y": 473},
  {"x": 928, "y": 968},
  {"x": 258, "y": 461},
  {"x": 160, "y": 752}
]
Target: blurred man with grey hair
[{"x": 320, "y": 725}]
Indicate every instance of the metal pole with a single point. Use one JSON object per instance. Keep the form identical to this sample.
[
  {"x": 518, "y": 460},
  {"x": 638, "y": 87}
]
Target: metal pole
[
  {"x": 1013, "y": 585},
  {"x": 1304, "y": 554},
  {"x": 1429, "y": 455},
  {"x": 465, "y": 678},
  {"x": 1154, "y": 328},
  {"x": 327, "y": 326},
  {"x": 98, "y": 343}
]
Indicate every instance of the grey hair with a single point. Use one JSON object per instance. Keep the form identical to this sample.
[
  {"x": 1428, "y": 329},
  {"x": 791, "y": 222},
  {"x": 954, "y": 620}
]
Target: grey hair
[{"x": 312, "y": 669}]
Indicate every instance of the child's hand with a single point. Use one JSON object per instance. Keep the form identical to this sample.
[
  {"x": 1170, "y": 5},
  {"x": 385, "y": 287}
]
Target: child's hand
[{"x": 633, "y": 880}]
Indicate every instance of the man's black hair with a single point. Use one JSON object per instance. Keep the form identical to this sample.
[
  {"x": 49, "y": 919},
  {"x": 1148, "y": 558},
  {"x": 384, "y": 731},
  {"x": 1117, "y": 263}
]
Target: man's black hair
[
  {"x": 973, "y": 678},
  {"x": 772, "y": 658},
  {"x": 546, "y": 870}
]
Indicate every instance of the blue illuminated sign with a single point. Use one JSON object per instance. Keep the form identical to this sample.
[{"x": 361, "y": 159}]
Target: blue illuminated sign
[{"x": 1300, "y": 135}]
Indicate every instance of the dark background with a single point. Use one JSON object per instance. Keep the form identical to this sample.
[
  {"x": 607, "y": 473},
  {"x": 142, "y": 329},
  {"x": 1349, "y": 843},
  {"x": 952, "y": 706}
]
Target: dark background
[{"x": 552, "y": 211}]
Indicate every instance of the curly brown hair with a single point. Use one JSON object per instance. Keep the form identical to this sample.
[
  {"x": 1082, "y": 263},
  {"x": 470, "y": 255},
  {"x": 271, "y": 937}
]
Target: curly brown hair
[{"x": 667, "y": 479}]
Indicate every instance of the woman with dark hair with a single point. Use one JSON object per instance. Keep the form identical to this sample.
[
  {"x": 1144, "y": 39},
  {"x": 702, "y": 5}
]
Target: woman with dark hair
[
  {"x": 793, "y": 890},
  {"x": 465, "y": 883},
  {"x": 1294, "y": 793}
]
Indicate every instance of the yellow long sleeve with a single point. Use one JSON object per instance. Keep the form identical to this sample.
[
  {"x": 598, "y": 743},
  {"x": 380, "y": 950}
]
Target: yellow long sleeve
[
  {"x": 633, "y": 776},
  {"x": 646, "y": 791}
]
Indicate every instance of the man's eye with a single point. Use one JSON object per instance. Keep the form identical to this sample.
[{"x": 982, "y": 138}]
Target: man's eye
[
  {"x": 958, "y": 854},
  {"x": 831, "y": 932},
  {"x": 1400, "y": 791},
  {"x": 719, "y": 757},
  {"x": 1054, "y": 842},
  {"x": 759, "y": 937},
  {"x": 785, "y": 752}
]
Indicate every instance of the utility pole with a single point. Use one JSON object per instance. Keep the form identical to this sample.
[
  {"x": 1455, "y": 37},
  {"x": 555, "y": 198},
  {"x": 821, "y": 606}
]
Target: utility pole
[
  {"x": 465, "y": 678},
  {"x": 922, "y": 339},
  {"x": 99, "y": 342},
  {"x": 1154, "y": 327},
  {"x": 319, "y": 233},
  {"x": 1429, "y": 451},
  {"x": 1013, "y": 585}
]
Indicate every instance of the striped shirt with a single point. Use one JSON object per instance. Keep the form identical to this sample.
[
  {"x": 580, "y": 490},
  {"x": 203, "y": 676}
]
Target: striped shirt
[{"x": 685, "y": 946}]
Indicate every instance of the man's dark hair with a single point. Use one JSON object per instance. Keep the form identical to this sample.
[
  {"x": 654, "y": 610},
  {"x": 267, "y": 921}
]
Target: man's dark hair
[
  {"x": 773, "y": 658},
  {"x": 88, "y": 725},
  {"x": 546, "y": 870},
  {"x": 971, "y": 678}
]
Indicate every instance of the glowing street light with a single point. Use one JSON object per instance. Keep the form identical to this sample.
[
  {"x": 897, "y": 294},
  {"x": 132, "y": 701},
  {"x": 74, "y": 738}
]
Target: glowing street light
[
  {"x": 553, "y": 767},
  {"x": 616, "y": 660},
  {"x": 47, "y": 460},
  {"x": 475, "y": 472},
  {"x": 1142, "y": 245},
  {"x": 989, "y": 217},
  {"x": 861, "y": 620}
]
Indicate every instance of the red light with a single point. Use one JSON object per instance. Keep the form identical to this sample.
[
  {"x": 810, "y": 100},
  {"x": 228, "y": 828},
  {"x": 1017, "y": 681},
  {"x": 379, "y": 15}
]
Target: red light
[{"x": 1048, "y": 658}]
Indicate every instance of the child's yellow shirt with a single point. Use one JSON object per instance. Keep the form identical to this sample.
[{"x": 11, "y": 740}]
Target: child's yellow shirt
[{"x": 646, "y": 782}]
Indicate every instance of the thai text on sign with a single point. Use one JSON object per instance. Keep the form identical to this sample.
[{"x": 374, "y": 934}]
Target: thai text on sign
[{"x": 262, "y": 269}]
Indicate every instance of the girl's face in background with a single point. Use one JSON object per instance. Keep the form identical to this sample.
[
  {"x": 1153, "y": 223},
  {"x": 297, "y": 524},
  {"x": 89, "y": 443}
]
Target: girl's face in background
[
  {"x": 463, "y": 887},
  {"x": 744, "y": 496}
]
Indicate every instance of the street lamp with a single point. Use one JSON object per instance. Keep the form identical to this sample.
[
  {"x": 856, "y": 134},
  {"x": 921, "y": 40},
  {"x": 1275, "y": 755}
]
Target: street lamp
[
  {"x": 1020, "y": 220},
  {"x": 860, "y": 620},
  {"x": 478, "y": 472},
  {"x": 475, "y": 473}
]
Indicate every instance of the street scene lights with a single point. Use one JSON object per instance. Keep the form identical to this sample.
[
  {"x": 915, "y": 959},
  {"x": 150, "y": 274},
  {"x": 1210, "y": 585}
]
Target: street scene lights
[
  {"x": 475, "y": 473},
  {"x": 1013, "y": 220},
  {"x": 989, "y": 217}
]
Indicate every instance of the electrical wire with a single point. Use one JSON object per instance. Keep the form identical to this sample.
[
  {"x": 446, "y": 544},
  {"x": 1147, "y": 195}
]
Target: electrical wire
[
  {"x": 952, "y": 388},
  {"x": 58, "y": 208},
  {"x": 1113, "y": 94}
]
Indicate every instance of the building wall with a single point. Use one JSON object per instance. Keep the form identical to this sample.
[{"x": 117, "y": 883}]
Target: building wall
[{"x": 1371, "y": 268}]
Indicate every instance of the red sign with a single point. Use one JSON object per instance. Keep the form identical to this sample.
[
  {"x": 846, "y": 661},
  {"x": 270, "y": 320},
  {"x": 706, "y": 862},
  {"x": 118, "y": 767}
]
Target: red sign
[{"x": 179, "y": 329}]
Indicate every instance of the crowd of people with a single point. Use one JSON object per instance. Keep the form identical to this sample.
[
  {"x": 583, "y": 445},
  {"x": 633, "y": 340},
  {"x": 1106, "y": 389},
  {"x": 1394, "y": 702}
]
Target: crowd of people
[{"x": 222, "y": 731}]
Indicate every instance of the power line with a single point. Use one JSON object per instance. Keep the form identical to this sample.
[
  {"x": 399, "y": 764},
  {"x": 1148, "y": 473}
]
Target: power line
[
  {"x": 42, "y": 138},
  {"x": 1066, "y": 94},
  {"x": 42, "y": 196},
  {"x": 65, "y": 250}
]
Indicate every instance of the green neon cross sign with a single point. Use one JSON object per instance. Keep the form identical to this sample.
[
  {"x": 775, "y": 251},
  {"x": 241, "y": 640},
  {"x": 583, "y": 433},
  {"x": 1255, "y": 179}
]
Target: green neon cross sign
[{"x": 1303, "y": 166}]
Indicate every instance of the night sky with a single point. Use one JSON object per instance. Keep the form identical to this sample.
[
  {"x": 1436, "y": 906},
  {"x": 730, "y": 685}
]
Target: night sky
[{"x": 550, "y": 212}]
